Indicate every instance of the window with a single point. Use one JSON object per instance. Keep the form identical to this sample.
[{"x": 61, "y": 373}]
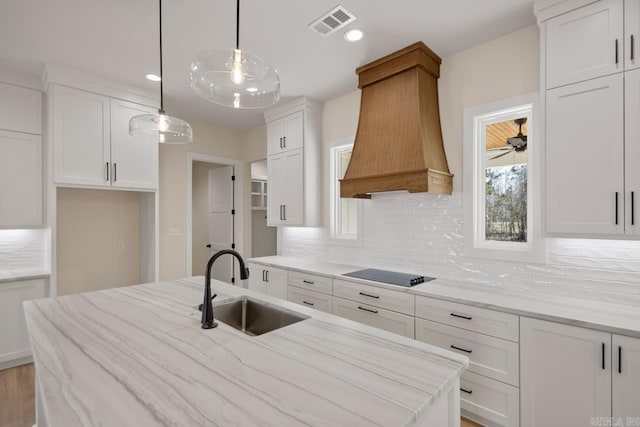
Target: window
[
  {"x": 501, "y": 183},
  {"x": 345, "y": 215}
]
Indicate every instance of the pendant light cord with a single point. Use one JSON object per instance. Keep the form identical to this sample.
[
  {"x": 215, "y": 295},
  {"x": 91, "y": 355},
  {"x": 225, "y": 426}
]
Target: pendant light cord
[
  {"x": 161, "y": 76},
  {"x": 238, "y": 24}
]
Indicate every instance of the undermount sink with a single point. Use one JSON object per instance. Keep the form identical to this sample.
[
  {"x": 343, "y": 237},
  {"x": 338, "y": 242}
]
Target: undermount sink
[{"x": 254, "y": 317}]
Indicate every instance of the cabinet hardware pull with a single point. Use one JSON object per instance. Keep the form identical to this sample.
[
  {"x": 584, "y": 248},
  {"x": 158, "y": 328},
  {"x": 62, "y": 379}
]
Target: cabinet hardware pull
[
  {"x": 280, "y": 142},
  {"x": 281, "y": 218},
  {"x": 466, "y": 391},
  {"x": 115, "y": 172},
  {"x": 617, "y": 208},
  {"x": 308, "y": 282},
  {"x": 633, "y": 218},
  {"x": 107, "y": 167},
  {"x": 632, "y": 47},
  {"x": 603, "y": 356},
  {"x": 369, "y": 295},
  {"x": 308, "y": 303},
  {"x": 267, "y": 276},
  {"x": 366, "y": 309},
  {"x": 619, "y": 359},
  {"x": 461, "y": 317},
  {"x": 263, "y": 276},
  {"x": 616, "y": 51},
  {"x": 284, "y": 210},
  {"x": 460, "y": 348},
  {"x": 284, "y": 141}
]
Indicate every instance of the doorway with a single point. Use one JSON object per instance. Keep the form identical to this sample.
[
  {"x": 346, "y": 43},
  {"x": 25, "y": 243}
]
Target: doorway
[{"x": 263, "y": 238}]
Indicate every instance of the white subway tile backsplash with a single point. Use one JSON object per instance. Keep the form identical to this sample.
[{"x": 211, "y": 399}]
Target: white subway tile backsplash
[
  {"x": 22, "y": 250},
  {"x": 423, "y": 233}
]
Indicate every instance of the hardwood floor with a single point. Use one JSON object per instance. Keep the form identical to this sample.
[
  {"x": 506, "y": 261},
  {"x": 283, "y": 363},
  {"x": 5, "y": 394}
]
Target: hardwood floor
[{"x": 17, "y": 398}]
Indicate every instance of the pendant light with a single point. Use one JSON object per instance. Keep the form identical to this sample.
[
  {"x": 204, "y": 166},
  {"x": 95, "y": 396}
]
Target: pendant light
[
  {"x": 168, "y": 130},
  {"x": 235, "y": 78}
]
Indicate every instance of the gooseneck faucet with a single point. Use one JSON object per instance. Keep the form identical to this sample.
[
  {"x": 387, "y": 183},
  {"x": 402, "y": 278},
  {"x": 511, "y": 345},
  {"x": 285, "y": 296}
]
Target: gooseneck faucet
[{"x": 207, "y": 305}]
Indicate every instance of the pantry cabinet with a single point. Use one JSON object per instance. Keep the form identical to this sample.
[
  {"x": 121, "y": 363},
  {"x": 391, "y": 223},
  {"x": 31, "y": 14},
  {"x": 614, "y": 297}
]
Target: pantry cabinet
[
  {"x": 632, "y": 152},
  {"x": 286, "y": 203},
  {"x": 632, "y": 32},
  {"x": 20, "y": 109},
  {"x": 626, "y": 376}
]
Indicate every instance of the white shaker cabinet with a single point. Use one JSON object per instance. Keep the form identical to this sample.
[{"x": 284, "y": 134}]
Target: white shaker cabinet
[
  {"x": 632, "y": 34},
  {"x": 268, "y": 280},
  {"x": 286, "y": 202},
  {"x": 20, "y": 179},
  {"x": 585, "y": 43},
  {"x": 285, "y": 134},
  {"x": 626, "y": 377},
  {"x": 585, "y": 157},
  {"x": 632, "y": 152},
  {"x": 565, "y": 374},
  {"x": 20, "y": 109}
]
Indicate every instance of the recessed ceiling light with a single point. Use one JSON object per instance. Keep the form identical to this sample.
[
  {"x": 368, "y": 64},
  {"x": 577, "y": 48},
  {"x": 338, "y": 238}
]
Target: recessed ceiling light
[
  {"x": 153, "y": 77},
  {"x": 353, "y": 35},
  {"x": 252, "y": 89}
]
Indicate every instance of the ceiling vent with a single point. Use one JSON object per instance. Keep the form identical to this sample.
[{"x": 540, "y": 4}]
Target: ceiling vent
[{"x": 332, "y": 21}]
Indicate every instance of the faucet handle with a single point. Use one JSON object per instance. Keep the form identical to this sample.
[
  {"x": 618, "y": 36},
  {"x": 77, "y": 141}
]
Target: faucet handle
[{"x": 200, "y": 306}]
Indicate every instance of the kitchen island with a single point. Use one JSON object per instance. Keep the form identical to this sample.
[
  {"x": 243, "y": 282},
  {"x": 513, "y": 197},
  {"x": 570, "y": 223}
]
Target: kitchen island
[{"x": 137, "y": 356}]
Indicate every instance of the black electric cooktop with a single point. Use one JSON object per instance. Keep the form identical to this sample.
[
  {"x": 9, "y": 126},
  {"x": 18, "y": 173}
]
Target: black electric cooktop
[{"x": 390, "y": 277}]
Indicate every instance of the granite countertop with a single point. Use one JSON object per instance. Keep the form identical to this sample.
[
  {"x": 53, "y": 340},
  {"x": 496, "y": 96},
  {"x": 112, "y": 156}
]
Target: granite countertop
[
  {"x": 608, "y": 317},
  {"x": 137, "y": 356}
]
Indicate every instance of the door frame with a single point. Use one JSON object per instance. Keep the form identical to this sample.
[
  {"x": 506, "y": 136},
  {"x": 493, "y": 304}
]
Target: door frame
[{"x": 238, "y": 223}]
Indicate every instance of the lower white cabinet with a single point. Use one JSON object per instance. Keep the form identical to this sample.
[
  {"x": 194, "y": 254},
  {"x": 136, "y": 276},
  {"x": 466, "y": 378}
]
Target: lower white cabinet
[
  {"x": 374, "y": 316},
  {"x": 488, "y": 401},
  {"x": 565, "y": 374},
  {"x": 20, "y": 179},
  {"x": 14, "y": 340},
  {"x": 268, "y": 280},
  {"x": 626, "y": 377},
  {"x": 311, "y": 299}
]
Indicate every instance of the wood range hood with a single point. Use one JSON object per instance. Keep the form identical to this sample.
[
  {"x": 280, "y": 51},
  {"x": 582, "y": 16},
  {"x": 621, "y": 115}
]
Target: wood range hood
[{"x": 398, "y": 143}]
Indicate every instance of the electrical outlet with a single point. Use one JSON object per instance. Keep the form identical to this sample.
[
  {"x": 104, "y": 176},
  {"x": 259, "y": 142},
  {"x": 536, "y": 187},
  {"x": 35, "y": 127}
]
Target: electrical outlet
[
  {"x": 120, "y": 246},
  {"x": 175, "y": 232}
]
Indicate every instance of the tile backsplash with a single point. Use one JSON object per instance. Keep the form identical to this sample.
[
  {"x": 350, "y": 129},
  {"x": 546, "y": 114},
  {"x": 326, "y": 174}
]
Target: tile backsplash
[
  {"x": 423, "y": 233},
  {"x": 23, "y": 250}
]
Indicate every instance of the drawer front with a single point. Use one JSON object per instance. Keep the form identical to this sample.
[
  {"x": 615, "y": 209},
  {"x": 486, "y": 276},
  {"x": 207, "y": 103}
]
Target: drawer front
[
  {"x": 374, "y": 316},
  {"x": 401, "y": 302},
  {"x": 488, "y": 322},
  {"x": 311, "y": 299},
  {"x": 489, "y": 356},
  {"x": 311, "y": 281},
  {"x": 483, "y": 399}
]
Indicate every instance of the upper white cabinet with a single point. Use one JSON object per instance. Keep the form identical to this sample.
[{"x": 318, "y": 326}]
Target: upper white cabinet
[
  {"x": 632, "y": 32},
  {"x": 92, "y": 145},
  {"x": 585, "y": 43},
  {"x": 632, "y": 151},
  {"x": 286, "y": 133},
  {"x": 20, "y": 109},
  {"x": 294, "y": 163},
  {"x": 585, "y": 157}
]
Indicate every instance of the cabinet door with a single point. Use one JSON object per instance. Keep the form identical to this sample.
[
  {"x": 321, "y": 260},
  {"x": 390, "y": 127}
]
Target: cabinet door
[
  {"x": 626, "y": 376},
  {"x": 632, "y": 32},
  {"x": 585, "y": 157},
  {"x": 277, "y": 182},
  {"x": 277, "y": 282},
  {"x": 20, "y": 109},
  {"x": 585, "y": 43},
  {"x": 632, "y": 151},
  {"x": 14, "y": 340},
  {"x": 565, "y": 374},
  {"x": 81, "y": 137},
  {"x": 294, "y": 131},
  {"x": 294, "y": 187},
  {"x": 134, "y": 159},
  {"x": 257, "y": 278},
  {"x": 275, "y": 137},
  {"x": 20, "y": 179}
]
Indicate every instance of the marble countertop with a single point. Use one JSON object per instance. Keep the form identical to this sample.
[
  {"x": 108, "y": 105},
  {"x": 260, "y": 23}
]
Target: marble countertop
[
  {"x": 608, "y": 317},
  {"x": 16, "y": 275},
  {"x": 137, "y": 356}
]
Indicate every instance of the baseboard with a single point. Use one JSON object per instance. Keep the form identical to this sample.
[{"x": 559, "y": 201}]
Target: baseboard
[{"x": 16, "y": 362}]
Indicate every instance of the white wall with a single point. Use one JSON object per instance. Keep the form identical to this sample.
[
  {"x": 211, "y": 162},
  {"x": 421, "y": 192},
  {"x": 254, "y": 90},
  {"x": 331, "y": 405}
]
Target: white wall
[{"x": 423, "y": 233}]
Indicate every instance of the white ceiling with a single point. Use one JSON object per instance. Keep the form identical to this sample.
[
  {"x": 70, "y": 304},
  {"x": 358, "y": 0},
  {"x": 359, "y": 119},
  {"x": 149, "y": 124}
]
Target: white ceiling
[{"x": 118, "y": 39}]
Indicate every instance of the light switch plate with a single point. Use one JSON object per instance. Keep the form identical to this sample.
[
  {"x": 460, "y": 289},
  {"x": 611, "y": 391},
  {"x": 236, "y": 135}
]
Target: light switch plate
[{"x": 175, "y": 232}]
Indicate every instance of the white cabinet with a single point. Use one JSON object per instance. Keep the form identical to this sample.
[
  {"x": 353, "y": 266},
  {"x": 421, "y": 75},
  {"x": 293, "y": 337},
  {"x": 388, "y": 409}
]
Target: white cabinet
[
  {"x": 92, "y": 145},
  {"x": 632, "y": 151},
  {"x": 285, "y": 134},
  {"x": 632, "y": 32},
  {"x": 14, "y": 341},
  {"x": 401, "y": 302},
  {"x": 294, "y": 159},
  {"x": 488, "y": 401},
  {"x": 585, "y": 157},
  {"x": 312, "y": 282},
  {"x": 268, "y": 280},
  {"x": 20, "y": 179},
  {"x": 565, "y": 374},
  {"x": 374, "y": 316},
  {"x": 626, "y": 376},
  {"x": 585, "y": 43},
  {"x": 311, "y": 299},
  {"x": 20, "y": 109}
]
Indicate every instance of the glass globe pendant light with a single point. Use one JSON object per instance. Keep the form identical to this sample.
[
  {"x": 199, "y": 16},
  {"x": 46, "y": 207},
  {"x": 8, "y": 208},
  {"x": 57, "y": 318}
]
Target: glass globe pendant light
[
  {"x": 235, "y": 78},
  {"x": 168, "y": 130}
]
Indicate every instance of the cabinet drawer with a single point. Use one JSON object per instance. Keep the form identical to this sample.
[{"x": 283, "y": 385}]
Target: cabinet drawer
[
  {"x": 374, "y": 316},
  {"x": 483, "y": 399},
  {"x": 379, "y": 297},
  {"x": 311, "y": 281},
  {"x": 492, "y": 357},
  {"x": 311, "y": 299},
  {"x": 489, "y": 322}
]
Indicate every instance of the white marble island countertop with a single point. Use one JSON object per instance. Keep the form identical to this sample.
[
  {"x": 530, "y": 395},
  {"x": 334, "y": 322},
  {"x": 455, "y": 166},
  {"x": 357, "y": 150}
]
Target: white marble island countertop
[{"x": 137, "y": 356}]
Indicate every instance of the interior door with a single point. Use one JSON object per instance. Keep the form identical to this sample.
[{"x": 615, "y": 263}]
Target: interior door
[{"x": 221, "y": 220}]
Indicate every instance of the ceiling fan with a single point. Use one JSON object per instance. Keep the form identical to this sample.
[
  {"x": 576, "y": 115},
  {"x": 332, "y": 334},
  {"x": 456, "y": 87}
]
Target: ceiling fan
[{"x": 518, "y": 143}]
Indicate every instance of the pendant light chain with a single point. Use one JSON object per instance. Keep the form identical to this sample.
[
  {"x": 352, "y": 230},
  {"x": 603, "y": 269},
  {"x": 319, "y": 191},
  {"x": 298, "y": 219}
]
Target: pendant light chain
[
  {"x": 238, "y": 24},
  {"x": 161, "y": 76}
]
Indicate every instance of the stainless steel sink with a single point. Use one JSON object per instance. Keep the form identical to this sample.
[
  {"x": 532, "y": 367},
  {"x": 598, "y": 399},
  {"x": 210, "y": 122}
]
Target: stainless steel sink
[{"x": 254, "y": 317}]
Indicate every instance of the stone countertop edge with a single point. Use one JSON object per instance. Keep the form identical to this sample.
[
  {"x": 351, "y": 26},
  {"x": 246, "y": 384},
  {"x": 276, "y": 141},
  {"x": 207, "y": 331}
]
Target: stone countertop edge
[
  {"x": 17, "y": 277},
  {"x": 64, "y": 347},
  {"x": 607, "y": 317}
]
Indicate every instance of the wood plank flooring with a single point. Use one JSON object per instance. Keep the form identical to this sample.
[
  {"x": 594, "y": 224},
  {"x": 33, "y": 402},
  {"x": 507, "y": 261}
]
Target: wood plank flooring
[{"x": 17, "y": 398}]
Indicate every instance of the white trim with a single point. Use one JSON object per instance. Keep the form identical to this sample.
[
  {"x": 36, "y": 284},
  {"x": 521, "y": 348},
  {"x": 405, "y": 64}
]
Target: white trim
[
  {"x": 238, "y": 171},
  {"x": 475, "y": 119}
]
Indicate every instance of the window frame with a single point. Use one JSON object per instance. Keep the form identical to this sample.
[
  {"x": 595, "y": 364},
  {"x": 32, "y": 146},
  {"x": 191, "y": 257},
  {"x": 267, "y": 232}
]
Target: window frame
[{"x": 474, "y": 159}]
